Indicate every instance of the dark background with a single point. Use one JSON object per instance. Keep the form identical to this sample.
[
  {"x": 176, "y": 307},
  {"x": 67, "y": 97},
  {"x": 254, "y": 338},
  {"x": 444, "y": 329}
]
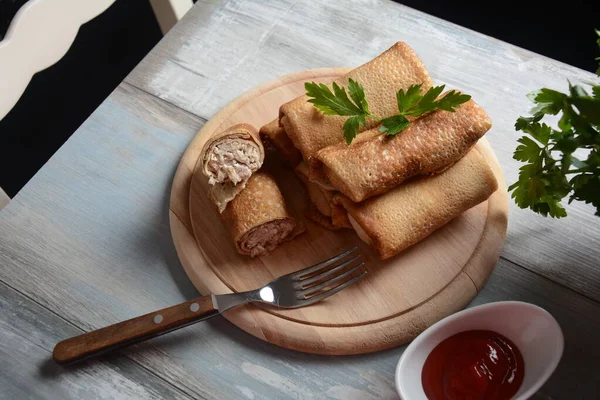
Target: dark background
[{"x": 107, "y": 48}]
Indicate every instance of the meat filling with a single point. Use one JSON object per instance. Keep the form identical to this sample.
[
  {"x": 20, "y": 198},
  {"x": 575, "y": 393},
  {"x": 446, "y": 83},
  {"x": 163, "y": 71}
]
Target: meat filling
[
  {"x": 265, "y": 238},
  {"x": 233, "y": 160}
]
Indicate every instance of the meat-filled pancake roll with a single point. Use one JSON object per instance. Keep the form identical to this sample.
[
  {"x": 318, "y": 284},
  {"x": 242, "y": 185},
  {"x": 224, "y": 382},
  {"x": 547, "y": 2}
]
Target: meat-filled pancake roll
[
  {"x": 429, "y": 144},
  {"x": 232, "y": 155},
  {"x": 395, "y": 220},
  {"x": 397, "y": 68},
  {"x": 275, "y": 135},
  {"x": 258, "y": 218}
]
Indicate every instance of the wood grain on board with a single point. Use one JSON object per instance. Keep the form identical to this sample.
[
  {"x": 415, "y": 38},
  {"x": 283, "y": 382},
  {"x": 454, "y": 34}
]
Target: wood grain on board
[{"x": 221, "y": 49}]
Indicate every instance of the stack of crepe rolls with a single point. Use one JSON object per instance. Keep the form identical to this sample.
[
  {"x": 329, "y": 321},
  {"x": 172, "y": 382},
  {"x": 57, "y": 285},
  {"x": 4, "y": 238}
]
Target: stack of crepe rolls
[
  {"x": 248, "y": 199},
  {"x": 393, "y": 191},
  {"x": 303, "y": 131}
]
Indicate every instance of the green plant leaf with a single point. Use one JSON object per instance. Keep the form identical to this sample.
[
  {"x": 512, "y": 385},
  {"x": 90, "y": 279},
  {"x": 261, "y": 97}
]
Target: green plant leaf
[
  {"x": 336, "y": 103},
  {"x": 427, "y": 102},
  {"x": 409, "y": 99},
  {"x": 527, "y": 151},
  {"x": 393, "y": 125},
  {"x": 352, "y": 126},
  {"x": 452, "y": 100},
  {"x": 357, "y": 93}
]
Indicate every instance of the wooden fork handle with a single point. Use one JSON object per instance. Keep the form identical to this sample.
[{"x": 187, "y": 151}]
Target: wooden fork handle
[{"x": 134, "y": 330}]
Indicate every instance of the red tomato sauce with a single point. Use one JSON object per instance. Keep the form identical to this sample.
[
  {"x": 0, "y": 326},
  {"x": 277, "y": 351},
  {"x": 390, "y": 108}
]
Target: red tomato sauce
[{"x": 473, "y": 365}]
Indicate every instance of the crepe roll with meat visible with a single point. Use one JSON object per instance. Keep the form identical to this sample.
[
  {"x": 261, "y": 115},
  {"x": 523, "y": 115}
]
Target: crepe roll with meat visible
[
  {"x": 258, "y": 218},
  {"x": 275, "y": 136},
  {"x": 395, "y": 220},
  {"x": 429, "y": 144},
  {"x": 232, "y": 155},
  {"x": 397, "y": 68}
]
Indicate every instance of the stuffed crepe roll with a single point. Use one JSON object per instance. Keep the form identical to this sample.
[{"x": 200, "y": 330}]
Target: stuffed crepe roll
[
  {"x": 395, "y": 220},
  {"x": 430, "y": 144},
  {"x": 258, "y": 218}
]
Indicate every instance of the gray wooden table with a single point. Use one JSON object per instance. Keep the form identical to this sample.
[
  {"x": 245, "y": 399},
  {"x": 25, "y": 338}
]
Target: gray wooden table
[{"x": 86, "y": 243}]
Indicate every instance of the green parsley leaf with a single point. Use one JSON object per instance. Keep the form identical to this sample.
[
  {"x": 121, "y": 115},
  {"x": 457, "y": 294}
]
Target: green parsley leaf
[
  {"x": 357, "y": 92},
  {"x": 555, "y": 209},
  {"x": 412, "y": 103},
  {"x": 352, "y": 126},
  {"x": 452, "y": 100},
  {"x": 426, "y": 103},
  {"x": 589, "y": 108},
  {"x": 528, "y": 150},
  {"x": 540, "y": 132},
  {"x": 336, "y": 103},
  {"x": 587, "y": 189},
  {"x": 546, "y": 96},
  {"x": 394, "y": 124},
  {"x": 408, "y": 100}
]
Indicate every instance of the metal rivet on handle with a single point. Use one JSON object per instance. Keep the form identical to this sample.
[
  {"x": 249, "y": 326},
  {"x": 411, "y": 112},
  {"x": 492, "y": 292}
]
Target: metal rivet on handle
[
  {"x": 194, "y": 307},
  {"x": 158, "y": 319}
]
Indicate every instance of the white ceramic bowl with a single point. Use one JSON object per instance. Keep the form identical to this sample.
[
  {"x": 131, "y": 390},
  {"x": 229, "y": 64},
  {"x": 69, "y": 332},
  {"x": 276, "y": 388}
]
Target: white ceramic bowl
[{"x": 531, "y": 328}]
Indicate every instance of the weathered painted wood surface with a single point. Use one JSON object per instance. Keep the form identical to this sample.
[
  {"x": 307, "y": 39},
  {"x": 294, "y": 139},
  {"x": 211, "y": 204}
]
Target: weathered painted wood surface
[
  {"x": 221, "y": 49},
  {"x": 30, "y": 331},
  {"x": 86, "y": 243}
]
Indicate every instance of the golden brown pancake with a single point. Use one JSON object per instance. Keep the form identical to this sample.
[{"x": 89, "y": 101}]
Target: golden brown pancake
[
  {"x": 410, "y": 212},
  {"x": 429, "y": 144},
  {"x": 257, "y": 217}
]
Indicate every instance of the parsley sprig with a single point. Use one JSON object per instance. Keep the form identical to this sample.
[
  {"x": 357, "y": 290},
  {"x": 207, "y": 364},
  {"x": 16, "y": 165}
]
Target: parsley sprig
[
  {"x": 338, "y": 103},
  {"x": 411, "y": 103},
  {"x": 552, "y": 171}
]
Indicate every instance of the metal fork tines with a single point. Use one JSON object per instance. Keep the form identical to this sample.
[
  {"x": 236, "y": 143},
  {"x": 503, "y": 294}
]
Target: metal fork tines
[
  {"x": 306, "y": 286},
  {"x": 329, "y": 277}
]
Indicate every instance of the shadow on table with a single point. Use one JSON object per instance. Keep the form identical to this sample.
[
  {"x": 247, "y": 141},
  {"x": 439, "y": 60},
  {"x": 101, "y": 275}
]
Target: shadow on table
[{"x": 169, "y": 253}]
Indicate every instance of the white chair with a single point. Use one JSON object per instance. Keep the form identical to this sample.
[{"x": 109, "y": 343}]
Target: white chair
[
  {"x": 41, "y": 34},
  {"x": 4, "y": 199}
]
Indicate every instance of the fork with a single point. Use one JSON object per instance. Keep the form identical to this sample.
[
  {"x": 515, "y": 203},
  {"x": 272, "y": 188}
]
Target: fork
[{"x": 294, "y": 290}]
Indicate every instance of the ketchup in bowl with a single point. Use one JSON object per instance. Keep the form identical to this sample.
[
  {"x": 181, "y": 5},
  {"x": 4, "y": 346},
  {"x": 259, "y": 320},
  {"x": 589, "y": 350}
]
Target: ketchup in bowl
[{"x": 473, "y": 365}]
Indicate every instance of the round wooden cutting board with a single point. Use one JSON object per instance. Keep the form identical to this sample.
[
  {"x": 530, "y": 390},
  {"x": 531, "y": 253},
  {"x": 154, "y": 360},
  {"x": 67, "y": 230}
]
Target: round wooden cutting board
[{"x": 398, "y": 298}]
